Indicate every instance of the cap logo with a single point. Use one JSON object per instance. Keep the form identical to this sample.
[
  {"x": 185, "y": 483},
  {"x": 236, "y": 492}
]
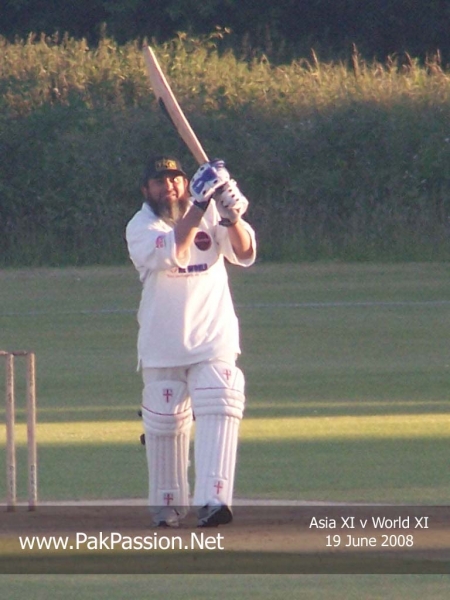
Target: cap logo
[{"x": 165, "y": 164}]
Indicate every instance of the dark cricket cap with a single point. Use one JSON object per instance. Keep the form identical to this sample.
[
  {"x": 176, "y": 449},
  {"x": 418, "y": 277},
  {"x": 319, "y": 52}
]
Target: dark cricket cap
[{"x": 160, "y": 165}]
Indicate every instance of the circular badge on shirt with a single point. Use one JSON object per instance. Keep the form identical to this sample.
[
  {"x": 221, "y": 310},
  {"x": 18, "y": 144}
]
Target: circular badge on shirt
[{"x": 202, "y": 241}]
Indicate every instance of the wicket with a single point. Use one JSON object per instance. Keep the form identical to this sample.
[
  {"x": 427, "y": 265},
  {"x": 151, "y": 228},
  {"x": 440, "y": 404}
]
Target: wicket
[{"x": 10, "y": 412}]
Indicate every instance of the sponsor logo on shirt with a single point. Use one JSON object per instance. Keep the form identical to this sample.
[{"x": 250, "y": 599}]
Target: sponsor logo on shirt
[
  {"x": 190, "y": 270},
  {"x": 203, "y": 241},
  {"x": 160, "y": 241},
  {"x": 194, "y": 268}
]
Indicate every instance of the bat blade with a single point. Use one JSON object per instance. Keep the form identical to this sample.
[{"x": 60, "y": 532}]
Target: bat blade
[{"x": 169, "y": 104}]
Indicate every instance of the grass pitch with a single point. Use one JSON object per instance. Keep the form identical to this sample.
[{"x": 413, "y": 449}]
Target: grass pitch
[{"x": 347, "y": 370}]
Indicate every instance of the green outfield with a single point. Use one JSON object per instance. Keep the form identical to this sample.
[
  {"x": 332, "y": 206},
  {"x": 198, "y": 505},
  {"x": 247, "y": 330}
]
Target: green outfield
[
  {"x": 239, "y": 587},
  {"x": 348, "y": 373}
]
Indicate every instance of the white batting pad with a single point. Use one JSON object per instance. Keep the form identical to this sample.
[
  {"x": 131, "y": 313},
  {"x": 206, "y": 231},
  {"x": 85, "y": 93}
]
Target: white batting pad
[
  {"x": 217, "y": 391},
  {"x": 217, "y": 388},
  {"x": 216, "y": 440},
  {"x": 167, "y": 419}
]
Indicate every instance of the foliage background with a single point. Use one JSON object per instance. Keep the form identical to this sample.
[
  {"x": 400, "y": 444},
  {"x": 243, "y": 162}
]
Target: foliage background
[{"x": 334, "y": 118}]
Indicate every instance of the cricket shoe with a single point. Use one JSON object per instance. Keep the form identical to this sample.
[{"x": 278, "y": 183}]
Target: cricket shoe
[
  {"x": 214, "y": 515},
  {"x": 166, "y": 517}
]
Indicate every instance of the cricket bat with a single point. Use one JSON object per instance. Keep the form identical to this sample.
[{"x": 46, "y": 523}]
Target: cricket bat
[{"x": 169, "y": 104}]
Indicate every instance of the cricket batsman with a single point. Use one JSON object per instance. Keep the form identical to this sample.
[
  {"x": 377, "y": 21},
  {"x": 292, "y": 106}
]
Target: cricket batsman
[{"x": 188, "y": 340}]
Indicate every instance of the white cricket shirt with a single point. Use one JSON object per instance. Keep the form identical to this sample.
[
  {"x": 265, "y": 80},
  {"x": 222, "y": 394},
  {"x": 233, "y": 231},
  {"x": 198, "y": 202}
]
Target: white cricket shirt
[{"x": 186, "y": 313}]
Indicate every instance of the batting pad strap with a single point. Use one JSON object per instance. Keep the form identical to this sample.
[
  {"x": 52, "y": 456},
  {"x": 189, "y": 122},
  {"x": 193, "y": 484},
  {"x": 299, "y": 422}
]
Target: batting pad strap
[
  {"x": 157, "y": 424},
  {"x": 218, "y": 389}
]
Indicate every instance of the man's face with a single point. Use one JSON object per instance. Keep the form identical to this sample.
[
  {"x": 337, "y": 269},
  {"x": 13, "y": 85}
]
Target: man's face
[{"x": 167, "y": 195}]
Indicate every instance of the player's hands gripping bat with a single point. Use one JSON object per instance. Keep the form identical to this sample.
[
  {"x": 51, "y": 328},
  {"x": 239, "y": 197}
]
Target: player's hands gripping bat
[
  {"x": 231, "y": 203},
  {"x": 212, "y": 180},
  {"x": 206, "y": 181},
  {"x": 170, "y": 106}
]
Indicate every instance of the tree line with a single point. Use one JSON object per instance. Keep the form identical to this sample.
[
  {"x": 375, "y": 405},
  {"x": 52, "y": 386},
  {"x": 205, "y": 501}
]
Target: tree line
[{"x": 283, "y": 30}]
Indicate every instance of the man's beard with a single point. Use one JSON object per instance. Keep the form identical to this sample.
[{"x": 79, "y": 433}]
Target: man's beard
[{"x": 170, "y": 212}]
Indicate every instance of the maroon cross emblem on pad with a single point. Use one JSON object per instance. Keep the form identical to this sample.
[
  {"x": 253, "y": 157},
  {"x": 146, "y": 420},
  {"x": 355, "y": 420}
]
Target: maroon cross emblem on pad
[{"x": 168, "y": 498}]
